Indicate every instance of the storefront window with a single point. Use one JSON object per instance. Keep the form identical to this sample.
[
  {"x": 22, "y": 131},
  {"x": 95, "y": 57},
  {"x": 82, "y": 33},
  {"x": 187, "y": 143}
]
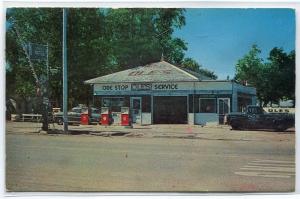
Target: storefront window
[
  {"x": 114, "y": 103},
  {"x": 207, "y": 105}
]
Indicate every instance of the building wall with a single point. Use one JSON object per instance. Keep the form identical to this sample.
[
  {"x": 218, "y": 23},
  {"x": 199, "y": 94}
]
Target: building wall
[
  {"x": 146, "y": 118},
  {"x": 242, "y": 96},
  {"x": 206, "y": 118},
  {"x": 193, "y": 90},
  {"x": 191, "y": 118}
]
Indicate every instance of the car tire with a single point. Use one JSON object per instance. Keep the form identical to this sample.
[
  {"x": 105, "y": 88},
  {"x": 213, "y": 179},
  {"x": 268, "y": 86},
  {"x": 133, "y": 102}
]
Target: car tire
[
  {"x": 235, "y": 126},
  {"x": 280, "y": 128}
]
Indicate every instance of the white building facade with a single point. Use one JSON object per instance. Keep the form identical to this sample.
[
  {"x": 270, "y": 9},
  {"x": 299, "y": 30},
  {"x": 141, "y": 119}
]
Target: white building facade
[{"x": 161, "y": 93}]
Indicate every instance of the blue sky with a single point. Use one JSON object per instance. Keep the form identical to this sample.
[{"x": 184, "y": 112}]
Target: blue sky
[{"x": 217, "y": 38}]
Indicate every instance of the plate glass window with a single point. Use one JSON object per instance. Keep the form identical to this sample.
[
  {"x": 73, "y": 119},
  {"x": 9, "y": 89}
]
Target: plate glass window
[
  {"x": 207, "y": 105},
  {"x": 114, "y": 103}
]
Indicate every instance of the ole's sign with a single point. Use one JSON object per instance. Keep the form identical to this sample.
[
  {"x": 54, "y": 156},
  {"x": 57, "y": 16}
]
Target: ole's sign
[
  {"x": 279, "y": 110},
  {"x": 162, "y": 86}
]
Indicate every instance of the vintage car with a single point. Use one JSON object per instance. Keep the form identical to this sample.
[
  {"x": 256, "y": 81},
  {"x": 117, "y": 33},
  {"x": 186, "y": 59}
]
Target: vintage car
[
  {"x": 94, "y": 116},
  {"x": 74, "y": 116},
  {"x": 256, "y": 118}
]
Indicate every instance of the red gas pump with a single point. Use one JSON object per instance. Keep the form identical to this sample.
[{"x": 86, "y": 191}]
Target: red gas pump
[
  {"x": 125, "y": 119},
  {"x": 105, "y": 116},
  {"x": 84, "y": 118}
]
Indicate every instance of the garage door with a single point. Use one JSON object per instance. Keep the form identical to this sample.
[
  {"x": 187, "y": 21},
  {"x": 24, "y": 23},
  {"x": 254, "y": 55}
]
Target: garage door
[{"x": 170, "y": 110}]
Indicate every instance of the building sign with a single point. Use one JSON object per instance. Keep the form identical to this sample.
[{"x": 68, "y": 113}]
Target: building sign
[
  {"x": 211, "y": 87},
  {"x": 116, "y": 87},
  {"x": 279, "y": 110},
  {"x": 37, "y": 51},
  {"x": 166, "y": 86},
  {"x": 141, "y": 87}
]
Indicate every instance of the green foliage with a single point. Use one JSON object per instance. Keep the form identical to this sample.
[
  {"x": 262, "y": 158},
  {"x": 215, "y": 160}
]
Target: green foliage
[
  {"x": 208, "y": 73},
  {"x": 24, "y": 88},
  {"x": 281, "y": 67},
  {"x": 248, "y": 68},
  {"x": 100, "y": 41},
  {"x": 190, "y": 64},
  {"x": 274, "y": 80},
  {"x": 31, "y": 25},
  {"x": 193, "y": 65},
  {"x": 140, "y": 36}
]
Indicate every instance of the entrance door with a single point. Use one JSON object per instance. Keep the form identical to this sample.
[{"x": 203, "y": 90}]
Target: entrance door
[
  {"x": 223, "y": 108},
  {"x": 136, "y": 109}
]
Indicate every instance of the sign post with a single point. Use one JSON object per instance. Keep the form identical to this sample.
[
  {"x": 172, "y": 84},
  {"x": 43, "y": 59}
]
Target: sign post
[{"x": 40, "y": 52}]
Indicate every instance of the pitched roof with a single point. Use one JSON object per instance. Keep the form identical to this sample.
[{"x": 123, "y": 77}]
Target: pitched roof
[{"x": 155, "y": 72}]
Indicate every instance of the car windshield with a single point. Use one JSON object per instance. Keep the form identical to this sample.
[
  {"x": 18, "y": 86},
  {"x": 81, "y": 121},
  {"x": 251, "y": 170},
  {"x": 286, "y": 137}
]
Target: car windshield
[{"x": 255, "y": 110}]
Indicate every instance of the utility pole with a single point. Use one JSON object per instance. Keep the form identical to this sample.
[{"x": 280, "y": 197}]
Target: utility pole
[{"x": 65, "y": 72}]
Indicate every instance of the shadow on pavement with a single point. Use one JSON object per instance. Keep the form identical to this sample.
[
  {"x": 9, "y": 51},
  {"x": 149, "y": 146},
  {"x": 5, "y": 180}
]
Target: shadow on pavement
[
  {"x": 80, "y": 132},
  {"x": 288, "y": 131}
]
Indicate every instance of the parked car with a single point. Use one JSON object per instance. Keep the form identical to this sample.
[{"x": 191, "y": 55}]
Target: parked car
[
  {"x": 256, "y": 118},
  {"x": 74, "y": 116},
  {"x": 94, "y": 116}
]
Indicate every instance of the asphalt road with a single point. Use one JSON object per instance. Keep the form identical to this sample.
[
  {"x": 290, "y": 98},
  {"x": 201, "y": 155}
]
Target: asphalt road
[{"x": 36, "y": 162}]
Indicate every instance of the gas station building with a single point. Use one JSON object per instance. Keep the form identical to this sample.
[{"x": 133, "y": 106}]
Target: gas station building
[{"x": 161, "y": 93}]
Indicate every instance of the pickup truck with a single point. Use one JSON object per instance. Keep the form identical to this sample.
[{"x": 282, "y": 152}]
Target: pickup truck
[{"x": 256, "y": 118}]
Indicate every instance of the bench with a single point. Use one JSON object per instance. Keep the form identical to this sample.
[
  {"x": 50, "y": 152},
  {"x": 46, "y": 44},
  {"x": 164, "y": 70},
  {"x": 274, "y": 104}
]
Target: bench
[{"x": 31, "y": 117}]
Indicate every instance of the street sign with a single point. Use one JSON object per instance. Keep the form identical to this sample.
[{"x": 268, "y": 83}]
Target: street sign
[{"x": 37, "y": 51}]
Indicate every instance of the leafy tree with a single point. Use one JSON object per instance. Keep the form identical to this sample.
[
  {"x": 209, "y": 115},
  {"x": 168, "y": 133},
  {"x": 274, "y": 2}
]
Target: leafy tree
[
  {"x": 31, "y": 26},
  {"x": 208, "y": 73},
  {"x": 140, "y": 36},
  {"x": 86, "y": 48},
  {"x": 274, "y": 80},
  {"x": 282, "y": 73},
  {"x": 251, "y": 69},
  {"x": 193, "y": 65},
  {"x": 100, "y": 41},
  {"x": 248, "y": 68}
]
